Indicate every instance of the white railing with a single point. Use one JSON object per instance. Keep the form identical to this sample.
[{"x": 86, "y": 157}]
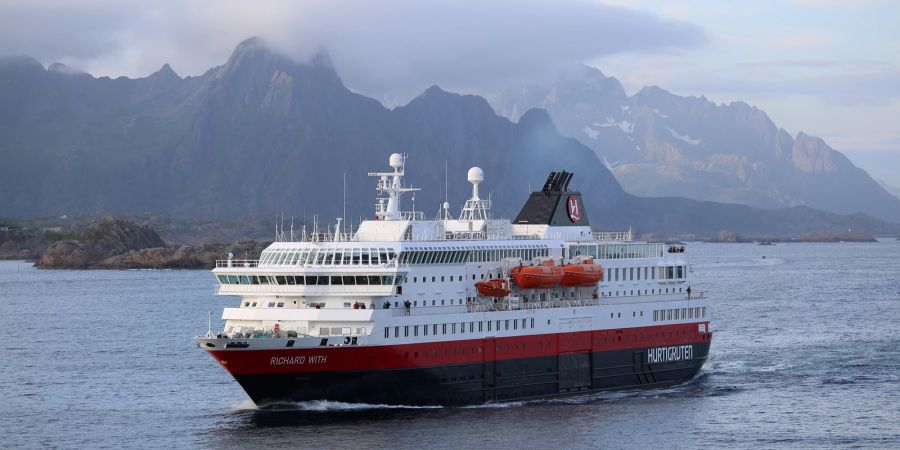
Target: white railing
[
  {"x": 303, "y": 289},
  {"x": 237, "y": 263},
  {"x": 614, "y": 235}
]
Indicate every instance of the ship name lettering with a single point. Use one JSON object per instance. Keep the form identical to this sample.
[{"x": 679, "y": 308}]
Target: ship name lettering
[
  {"x": 297, "y": 360},
  {"x": 669, "y": 354}
]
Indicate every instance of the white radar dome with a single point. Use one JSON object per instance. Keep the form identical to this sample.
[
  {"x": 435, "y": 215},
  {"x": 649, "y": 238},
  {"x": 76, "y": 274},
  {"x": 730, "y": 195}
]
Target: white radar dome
[
  {"x": 396, "y": 161},
  {"x": 476, "y": 175}
]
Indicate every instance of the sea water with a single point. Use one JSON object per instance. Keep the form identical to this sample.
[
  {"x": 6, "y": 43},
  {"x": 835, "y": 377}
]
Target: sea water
[{"x": 806, "y": 353}]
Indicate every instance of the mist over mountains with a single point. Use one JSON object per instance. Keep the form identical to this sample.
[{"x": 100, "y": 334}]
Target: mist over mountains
[{"x": 263, "y": 134}]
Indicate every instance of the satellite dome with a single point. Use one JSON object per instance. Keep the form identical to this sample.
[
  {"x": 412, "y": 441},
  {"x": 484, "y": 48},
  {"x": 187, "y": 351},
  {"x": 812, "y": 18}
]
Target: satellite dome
[
  {"x": 476, "y": 175},
  {"x": 396, "y": 161}
]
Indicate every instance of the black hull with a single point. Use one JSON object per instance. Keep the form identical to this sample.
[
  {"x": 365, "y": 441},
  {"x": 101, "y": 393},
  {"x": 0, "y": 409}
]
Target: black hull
[{"x": 477, "y": 383}]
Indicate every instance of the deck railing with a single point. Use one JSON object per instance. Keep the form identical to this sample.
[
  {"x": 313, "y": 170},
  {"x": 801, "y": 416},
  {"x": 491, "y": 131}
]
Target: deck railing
[{"x": 237, "y": 263}]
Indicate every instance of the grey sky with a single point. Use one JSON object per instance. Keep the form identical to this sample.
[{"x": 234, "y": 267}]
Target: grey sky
[{"x": 394, "y": 48}]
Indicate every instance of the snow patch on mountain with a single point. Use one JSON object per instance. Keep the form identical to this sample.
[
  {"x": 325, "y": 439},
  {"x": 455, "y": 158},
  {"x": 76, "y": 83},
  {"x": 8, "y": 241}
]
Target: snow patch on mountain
[
  {"x": 683, "y": 138},
  {"x": 626, "y": 126},
  {"x": 590, "y": 132},
  {"x": 656, "y": 111}
]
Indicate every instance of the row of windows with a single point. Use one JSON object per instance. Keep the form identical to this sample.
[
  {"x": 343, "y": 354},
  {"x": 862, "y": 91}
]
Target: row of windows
[
  {"x": 461, "y": 255},
  {"x": 660, "y": 315},
  {"x": 619, "y": 251},
  {"x": 269, "y": 305},
  {"x": 632, "y": 292},
  {"x": 461, "y": 327},
  {"x": 311, "y": 280},
  {"x": 646, "y": 273},
  {"x": 327, "y": 257}
]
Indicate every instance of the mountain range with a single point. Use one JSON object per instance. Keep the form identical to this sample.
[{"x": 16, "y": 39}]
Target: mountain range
[
  {"x": 658, "y": 143},
  {"x": 263, "y": 133}
]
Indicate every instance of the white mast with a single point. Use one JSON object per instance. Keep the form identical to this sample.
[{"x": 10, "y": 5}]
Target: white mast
[
  {"x": 475, "y": 208},
  {"x": 390, "y": 183}
]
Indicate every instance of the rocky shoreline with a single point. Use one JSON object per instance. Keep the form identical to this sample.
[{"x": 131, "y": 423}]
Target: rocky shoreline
[
  {"x": 727, "y": 237},
  {"x": 119, "y": 244}
]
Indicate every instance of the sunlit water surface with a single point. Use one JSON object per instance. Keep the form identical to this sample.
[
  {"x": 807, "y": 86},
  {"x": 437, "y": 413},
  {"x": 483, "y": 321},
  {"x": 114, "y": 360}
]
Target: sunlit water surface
[{"x": 806, "y": 354}]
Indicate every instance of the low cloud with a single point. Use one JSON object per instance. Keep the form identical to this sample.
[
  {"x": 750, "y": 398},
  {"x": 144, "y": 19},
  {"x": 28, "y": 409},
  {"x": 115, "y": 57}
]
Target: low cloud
[{"x": 393, "y": 48}]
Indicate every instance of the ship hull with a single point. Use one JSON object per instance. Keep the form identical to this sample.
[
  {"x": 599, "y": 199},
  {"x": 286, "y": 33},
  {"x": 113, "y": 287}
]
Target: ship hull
[{"x": 567, "y": 373}]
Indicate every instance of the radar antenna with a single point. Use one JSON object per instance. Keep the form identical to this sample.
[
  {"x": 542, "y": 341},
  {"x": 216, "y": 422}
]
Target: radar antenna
[{"x": 390, "y": 184}]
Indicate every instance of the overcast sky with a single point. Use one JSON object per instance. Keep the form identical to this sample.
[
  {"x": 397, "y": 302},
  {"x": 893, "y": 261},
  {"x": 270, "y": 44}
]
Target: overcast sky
[{"x": 828, "y": 67}]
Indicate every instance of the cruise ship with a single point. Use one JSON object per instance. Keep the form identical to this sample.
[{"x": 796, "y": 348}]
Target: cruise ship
[{"x": 459, "y": 310}]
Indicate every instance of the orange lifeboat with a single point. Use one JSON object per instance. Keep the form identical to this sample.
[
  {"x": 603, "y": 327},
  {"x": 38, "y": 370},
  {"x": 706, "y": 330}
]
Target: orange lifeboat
[
  {"x": 585, "y": 273},
  {"x": 493, "y": 288},
  {"x": 543, "y": 276}
]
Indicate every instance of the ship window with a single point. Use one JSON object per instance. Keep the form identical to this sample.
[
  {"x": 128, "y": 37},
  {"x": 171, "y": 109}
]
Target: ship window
[
  {"x": 396, "y": 332},
  {"x": 498, "y": 325},
  {"x": 271, "y": 305},
  {"x": 223, "y": 279},
  {"x": 489, "y": 325},
  {"x": 281, "y": 304},
  {"x": 668, "y": 314},
  {"x": 432, "y": 279},
  {"x": 374, "y": 280},
  {"x": 386, "y": 333},
  {"x": 406, "y": 331},
  {"x": 246, "y": 303},
  {"x": 453, "y": 328},
  {"x": 434, "y": 329},
  {"x": 415, "y": 279},
  {"x": 442, "y": 302},
  {"x": 480, "y": 326},
  {"x": 507, "y": 325},
  {"x": 703, "y": 314},
  {"x": 443, "y": 327},
  {"x": 471, "y": 327},
  {"x": 425, "y": 330}
]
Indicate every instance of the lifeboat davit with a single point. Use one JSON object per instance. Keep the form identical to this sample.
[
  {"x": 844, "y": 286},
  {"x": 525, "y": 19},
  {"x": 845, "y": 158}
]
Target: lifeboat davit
[
  {"x": 585, "y": 273},
  {"x": 543, "y": 276},
  {"x": 493, "y": 288}
]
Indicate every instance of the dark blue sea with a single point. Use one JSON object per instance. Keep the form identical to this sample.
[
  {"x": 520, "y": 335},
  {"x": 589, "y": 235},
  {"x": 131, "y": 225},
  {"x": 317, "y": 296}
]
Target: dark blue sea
[{"x": 806, "y": 354}]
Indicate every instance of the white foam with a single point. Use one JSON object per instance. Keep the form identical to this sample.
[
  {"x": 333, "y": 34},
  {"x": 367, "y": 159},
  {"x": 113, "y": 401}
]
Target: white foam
[{"x": 327, "y": 405}]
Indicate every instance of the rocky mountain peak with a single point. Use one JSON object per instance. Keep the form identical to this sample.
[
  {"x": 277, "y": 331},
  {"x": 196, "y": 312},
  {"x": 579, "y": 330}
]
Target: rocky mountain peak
[
  {"x": 165, "y": 73},
  {"x": 811, "y": 154}
]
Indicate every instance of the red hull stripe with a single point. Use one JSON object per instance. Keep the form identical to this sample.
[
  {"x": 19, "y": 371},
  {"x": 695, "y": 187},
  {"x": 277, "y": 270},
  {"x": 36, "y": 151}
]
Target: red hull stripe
[{"x": 443, "y": 353}]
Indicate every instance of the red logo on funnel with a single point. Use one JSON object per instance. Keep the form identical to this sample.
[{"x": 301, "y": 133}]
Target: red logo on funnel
[{"x": 574, "y": 209}]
